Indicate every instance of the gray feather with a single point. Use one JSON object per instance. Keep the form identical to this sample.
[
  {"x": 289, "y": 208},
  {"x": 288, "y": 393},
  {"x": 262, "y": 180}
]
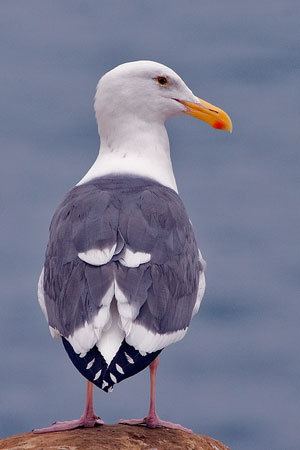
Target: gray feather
[{"x": 135, "y": 212}]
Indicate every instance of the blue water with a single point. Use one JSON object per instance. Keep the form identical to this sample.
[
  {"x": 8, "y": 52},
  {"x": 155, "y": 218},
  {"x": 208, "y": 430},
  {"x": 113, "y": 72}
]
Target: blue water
[{"x": 236, "y": 376}]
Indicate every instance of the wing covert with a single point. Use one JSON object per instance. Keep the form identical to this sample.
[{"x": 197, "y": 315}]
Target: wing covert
[{"x": 122, "y": 240}]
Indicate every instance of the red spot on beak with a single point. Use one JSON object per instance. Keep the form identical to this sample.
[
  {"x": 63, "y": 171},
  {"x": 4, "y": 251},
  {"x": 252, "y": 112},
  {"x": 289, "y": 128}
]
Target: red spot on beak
[{"x": 219, "y": 125}]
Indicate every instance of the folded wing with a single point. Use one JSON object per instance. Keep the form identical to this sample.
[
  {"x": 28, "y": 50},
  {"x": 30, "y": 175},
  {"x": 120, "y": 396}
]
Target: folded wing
[{"x": 122, "y": 265}]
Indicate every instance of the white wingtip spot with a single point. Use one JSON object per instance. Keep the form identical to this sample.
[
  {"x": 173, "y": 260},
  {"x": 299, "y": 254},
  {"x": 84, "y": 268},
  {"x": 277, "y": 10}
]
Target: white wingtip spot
[
  {"x": 119, "y": 369},
  {"x": 97, "y": 375},
  {"x": 90, "y": 364},
  {"x": 113, "y": 378},
  {"x": 129, "y": 359}
]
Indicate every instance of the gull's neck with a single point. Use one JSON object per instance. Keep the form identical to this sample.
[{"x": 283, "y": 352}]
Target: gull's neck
[{"x": 137, "y": 148}]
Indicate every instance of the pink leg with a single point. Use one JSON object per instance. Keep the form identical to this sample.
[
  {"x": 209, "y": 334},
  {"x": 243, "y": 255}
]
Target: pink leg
[
  {"x": 87, "y": 420},
  {"x": 152, "y": 420}
]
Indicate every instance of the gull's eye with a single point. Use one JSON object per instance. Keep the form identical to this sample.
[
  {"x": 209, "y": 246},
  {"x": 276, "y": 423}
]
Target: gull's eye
[{"x": 162, "y": 81}]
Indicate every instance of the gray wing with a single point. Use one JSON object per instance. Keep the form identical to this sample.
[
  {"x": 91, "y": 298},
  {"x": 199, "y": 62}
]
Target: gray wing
[{"x": 122, "y": 256}]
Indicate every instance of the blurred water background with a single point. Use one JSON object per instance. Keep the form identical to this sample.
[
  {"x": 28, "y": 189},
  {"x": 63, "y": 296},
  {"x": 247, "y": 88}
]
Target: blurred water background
[{"x": 236, "y": 376}]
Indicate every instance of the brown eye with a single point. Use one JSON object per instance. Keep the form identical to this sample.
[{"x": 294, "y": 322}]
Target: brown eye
[{"x": 162, "y": 81}]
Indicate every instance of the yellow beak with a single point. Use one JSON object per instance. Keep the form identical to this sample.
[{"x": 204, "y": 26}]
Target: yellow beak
[{"x": 214, "y": 116}]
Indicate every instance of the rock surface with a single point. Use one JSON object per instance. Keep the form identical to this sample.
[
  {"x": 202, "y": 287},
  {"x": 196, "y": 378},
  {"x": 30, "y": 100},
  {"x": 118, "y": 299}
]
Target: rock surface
[{"x": 113, "y": 437}]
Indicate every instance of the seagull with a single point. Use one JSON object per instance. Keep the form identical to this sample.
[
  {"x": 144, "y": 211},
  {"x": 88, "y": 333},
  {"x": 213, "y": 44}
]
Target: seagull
[{"x": 123, "y": 275}]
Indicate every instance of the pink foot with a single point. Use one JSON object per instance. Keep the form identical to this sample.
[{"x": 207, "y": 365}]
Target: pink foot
[
  {"x": 83, "y": 422},
  {"x": 154, "y": 422}
]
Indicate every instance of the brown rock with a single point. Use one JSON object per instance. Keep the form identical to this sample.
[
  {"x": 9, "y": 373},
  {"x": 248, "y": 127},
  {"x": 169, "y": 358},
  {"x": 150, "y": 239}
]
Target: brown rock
[{"x": 113, "y": 437}]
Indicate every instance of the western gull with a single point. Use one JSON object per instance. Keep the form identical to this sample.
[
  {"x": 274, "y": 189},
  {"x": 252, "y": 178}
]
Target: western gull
[{"x": 123, "y": 275}]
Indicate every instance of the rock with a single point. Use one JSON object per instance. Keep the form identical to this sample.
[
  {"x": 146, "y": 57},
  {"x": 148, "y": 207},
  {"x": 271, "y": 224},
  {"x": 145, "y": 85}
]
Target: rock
[{"x": 113, "y": 437}]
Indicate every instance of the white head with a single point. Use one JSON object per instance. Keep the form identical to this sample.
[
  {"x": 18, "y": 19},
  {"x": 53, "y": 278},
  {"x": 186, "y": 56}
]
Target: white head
[
  {"x": 143, "y": 89},
  {"x": 149, "y": 92},
  {"x": 132, "y": 103}
]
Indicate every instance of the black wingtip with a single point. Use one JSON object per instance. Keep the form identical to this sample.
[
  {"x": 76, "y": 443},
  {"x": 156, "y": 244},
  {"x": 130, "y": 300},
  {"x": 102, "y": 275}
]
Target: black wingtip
[{"x": 127, "y": 362}]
